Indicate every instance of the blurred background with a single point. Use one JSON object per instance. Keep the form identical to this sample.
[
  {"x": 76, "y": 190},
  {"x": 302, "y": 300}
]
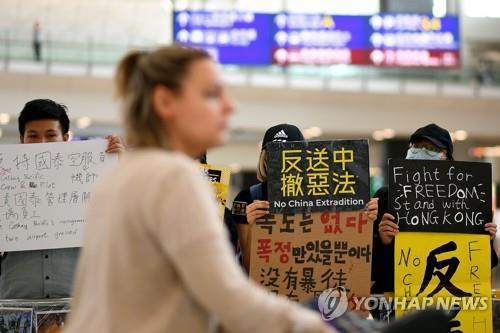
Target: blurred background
[{"x": 376, "y": 69}]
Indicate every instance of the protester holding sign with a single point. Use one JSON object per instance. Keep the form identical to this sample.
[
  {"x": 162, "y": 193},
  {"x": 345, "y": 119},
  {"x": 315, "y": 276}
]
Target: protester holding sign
[
  {"x": 156, "y": 257},
  {"x": 43, "y": 273},
  {"x": 251, "y": 204},
  {"x": 430, "y": 142}
]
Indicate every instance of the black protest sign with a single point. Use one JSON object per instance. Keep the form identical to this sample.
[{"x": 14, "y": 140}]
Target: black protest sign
[
  {"x": 318, "y": 176},
  {"x": 440, "y": 196}
]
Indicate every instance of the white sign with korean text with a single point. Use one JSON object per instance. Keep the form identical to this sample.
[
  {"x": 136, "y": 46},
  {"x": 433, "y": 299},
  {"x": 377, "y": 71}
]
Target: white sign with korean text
[{"x": 44, "y": 191}]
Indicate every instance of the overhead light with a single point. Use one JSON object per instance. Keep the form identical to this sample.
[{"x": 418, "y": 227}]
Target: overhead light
[
  {"x": 378, "y": 135},
  {"x": 167, "y": 5},
  {"x": 460, "y": 135},
  {"x": 485, "y": 151},
  {"x": 83, "y": 122},
  {"x": 235, "y": 167},
  {"x": 313, "y": 132},
  {"x": 389, "y": 133},
  {"x": 316, "y": 131},
  {"x": 4, "y": 118},
  {"x": 439, "y": 8},
  {"x": 181, "y": 5}
]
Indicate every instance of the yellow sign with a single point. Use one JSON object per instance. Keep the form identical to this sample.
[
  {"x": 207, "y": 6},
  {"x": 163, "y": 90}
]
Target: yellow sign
[
  {"x": 446, "y": 271},
  {"x": 219, "y": 178}
]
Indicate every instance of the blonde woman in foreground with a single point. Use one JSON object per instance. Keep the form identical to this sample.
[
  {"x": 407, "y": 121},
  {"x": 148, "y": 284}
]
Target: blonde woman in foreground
[{"x": 155, "y": 256}]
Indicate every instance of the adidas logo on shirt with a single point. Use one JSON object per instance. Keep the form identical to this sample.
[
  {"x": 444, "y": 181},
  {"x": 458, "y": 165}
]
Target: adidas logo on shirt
[{"x": 281, "y": 135}]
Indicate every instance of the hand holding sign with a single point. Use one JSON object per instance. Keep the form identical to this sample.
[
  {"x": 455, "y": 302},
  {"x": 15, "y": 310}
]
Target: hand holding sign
[
  {"x": 115, "y": 145},
  {"x": 387, "y": 229},
  {"x": 492, "y": 229},
  {"x": 256, "y": 210},
  {"x": 372, "y": 210}
]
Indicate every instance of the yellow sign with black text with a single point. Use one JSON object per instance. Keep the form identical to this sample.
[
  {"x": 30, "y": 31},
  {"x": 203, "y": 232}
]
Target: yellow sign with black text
[
  {"x": 445, "y": 271},
  {"x": 219, "y": 178}
]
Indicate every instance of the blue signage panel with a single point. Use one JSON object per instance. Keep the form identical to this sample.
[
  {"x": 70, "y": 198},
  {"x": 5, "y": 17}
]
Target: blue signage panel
[
  {"x": 246, "y": 38},
  {"x": 413, "y": 31},
  {"x": 324, "y": 31},
  {"x": 240, "y": 38}
]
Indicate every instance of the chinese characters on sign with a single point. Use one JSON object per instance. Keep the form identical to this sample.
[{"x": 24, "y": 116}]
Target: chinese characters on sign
[
  {"x": 318, "y": 175},
  {"x": 301, "y": 255},
  {"x": 445, "y": 272},
  {"x": 44, "y": 191},
  {"x": 219, "y": 178},
  {"x": 440, "y": 196},
  {"x": 441, "y": 258}
]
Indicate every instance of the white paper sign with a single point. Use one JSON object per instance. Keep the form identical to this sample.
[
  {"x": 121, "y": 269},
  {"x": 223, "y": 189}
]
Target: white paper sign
[{"x": 44, "y": 191}]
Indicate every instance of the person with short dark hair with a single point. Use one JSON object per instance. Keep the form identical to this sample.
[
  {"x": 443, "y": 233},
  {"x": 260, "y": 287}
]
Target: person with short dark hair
[
  {"x": 40, "y": 113},
  {"x": 43, "y": 273},
  {"x": 430, "y": 142}
]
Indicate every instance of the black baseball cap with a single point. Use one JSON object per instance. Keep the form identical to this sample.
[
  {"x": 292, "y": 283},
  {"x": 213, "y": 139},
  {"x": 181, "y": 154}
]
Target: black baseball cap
[
  {"x": 282, "y": 133},
  {"x": 435, "y": 134}
]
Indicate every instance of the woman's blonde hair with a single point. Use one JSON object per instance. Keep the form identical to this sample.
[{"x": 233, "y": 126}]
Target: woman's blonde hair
[
  {"x": 262, "y": 167},
  {"x": 137, "y": 75}
]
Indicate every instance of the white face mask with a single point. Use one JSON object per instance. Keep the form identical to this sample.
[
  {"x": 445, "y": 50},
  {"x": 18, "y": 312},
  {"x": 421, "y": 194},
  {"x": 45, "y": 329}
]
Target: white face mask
[{"x": 422, "y": 154}]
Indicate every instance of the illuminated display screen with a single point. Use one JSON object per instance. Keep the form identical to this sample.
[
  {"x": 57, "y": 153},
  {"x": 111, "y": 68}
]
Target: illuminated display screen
[{"x": 396, "y": 40}]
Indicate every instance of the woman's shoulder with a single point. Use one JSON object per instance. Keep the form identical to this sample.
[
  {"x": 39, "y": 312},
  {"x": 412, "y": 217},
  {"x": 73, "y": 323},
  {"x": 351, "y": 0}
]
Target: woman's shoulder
[
  {"x": 159, "y": 160},
  {"x": 151, "y": 166}
]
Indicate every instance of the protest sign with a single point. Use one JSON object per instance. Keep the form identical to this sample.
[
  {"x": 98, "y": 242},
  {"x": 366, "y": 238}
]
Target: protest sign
[
  {"x": 440, "y": 196},
  {"x": 45, "y": 189},
  {"x": 219, "y": 178},
  {"x": 318, "y": 175},
  {"x": 445, "y": 271},
  {"x": 301, "y": 255}
]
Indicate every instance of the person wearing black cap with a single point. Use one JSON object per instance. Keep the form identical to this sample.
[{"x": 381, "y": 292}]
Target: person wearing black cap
[
  {"x": 251, "y": 204},
  {"x": 430, "y": 142}
]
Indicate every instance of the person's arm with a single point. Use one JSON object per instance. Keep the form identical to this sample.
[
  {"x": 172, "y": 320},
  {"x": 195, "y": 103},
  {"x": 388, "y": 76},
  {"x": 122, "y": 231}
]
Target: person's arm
[
  {"x": 193, "y": 239},
  {"x": 385, "y": 227},
  {"x": 254, "y": 211}
]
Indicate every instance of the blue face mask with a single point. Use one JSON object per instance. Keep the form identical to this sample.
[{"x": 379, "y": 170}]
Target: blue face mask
[{"x": 422, "y": 154}]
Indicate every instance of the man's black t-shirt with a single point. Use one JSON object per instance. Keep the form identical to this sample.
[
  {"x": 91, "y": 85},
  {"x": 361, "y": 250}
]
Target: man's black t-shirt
[{"x": 231, "y": 228}]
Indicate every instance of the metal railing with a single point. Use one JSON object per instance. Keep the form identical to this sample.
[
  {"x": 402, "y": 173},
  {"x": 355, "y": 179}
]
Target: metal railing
[
  {"x": 46, "y": 314},
  {"x": 17, "y": 48}
]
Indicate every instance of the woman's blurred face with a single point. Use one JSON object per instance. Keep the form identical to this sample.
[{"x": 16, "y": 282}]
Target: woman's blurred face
[{"x": 200, "y": 112}]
